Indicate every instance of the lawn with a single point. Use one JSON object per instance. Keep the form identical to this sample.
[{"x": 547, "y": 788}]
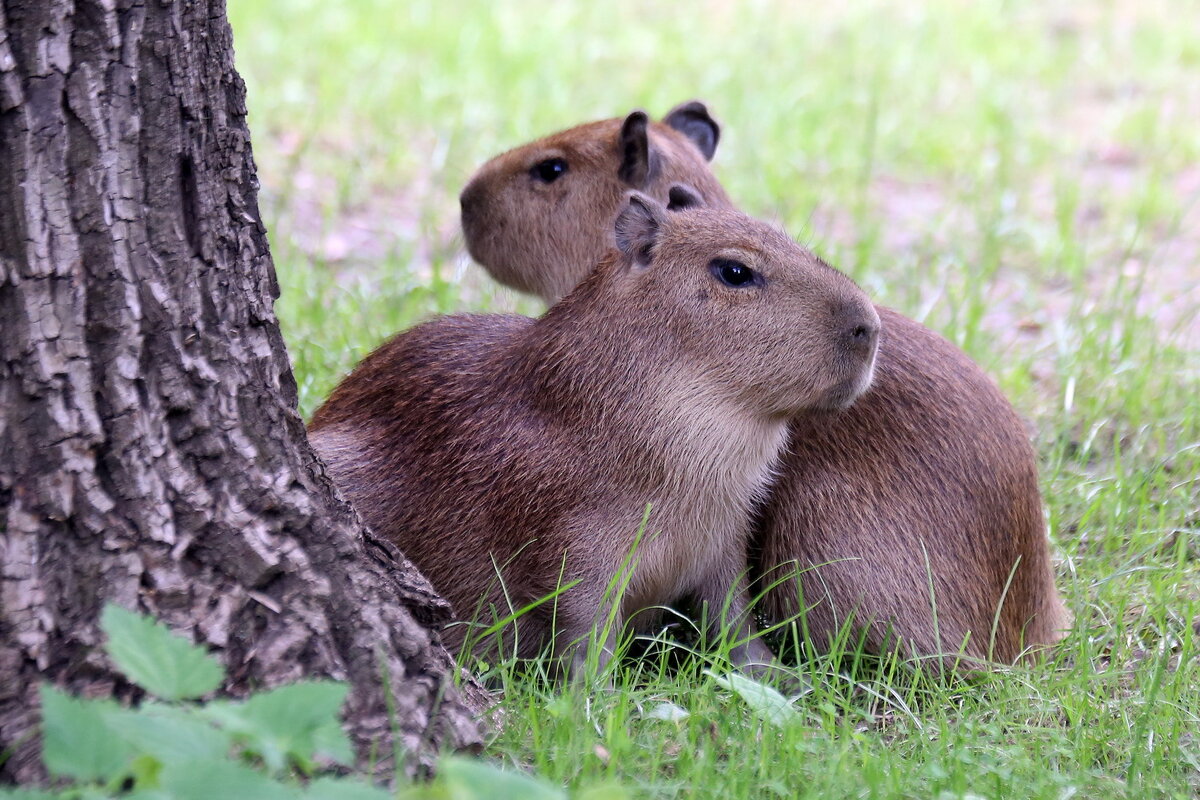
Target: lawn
[{"x": 1021, "y": 178}]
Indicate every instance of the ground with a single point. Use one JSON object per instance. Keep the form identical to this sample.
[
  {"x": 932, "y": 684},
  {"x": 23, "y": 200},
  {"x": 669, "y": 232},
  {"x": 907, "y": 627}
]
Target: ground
[{"x": 1023, "y": 178}]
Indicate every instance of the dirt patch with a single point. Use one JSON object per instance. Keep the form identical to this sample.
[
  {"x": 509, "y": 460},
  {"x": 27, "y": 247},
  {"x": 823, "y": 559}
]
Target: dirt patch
[{"x": 1160, "y": 264}]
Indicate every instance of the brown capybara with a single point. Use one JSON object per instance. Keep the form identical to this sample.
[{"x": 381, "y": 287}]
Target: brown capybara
[
  {"x": 508, "y": 457},
  {"x": 915, "y": 513},
  {"x": 549, "y": 260}
]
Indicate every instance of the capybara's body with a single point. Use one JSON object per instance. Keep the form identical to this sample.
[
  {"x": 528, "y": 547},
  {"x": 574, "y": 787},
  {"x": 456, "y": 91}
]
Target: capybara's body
[
  {"x": 916, "y": 508},
  {"x": 509, "y": 457},
  {"x": 915, "y": 512}
]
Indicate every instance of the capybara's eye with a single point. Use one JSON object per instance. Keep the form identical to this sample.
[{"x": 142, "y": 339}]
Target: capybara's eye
[
  {"x": 550, "y": 170},
  {"x": 733, "y": 273}
]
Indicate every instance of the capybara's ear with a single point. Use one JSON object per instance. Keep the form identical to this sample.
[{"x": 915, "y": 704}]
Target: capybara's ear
[
  {"x": 635, "y": 150},
  {"x": 682, "y": 196},
  {"x": 693, "y": 121},
  {"x": 637, "y": 226}
]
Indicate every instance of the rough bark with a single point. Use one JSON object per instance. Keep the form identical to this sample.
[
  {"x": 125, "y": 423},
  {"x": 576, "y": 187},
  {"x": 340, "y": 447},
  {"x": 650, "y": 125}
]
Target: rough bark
[{"x": 150, "y": 449}]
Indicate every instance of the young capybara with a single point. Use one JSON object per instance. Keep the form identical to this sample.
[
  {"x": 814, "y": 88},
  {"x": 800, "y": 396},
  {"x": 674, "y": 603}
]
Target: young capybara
[
  {"x": 508, "y": 457},
  {"x": 914, "y": 513}
]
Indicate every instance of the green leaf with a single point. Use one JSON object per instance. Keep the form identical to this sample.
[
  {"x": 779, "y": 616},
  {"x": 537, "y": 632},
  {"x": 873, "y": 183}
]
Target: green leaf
[
  {"x": 765, "y": 701},
  {"x": 249, "y": 731},
  {"x": 85, "y": 793},
  {"x": 344, "y": 789},
  {"x": 76, "y": 740},
  {"x": 472, "y": 779},
  {"x": 289, "y": 722},
  {"x": 144, "y": 770},
  {"x": 27, "y": 794},
  {"x": 150, "y": 655},
  {"x": 210, "y": 780},
  {"x": 331, "y": 742},
  {"x": 170, "y": 734}
]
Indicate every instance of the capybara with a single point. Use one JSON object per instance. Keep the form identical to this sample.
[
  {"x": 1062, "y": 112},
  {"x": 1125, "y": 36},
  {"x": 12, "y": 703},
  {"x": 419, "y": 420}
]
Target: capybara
[
  {"x": 509, "y": 457},
  {"x": 915, "y": 512}
]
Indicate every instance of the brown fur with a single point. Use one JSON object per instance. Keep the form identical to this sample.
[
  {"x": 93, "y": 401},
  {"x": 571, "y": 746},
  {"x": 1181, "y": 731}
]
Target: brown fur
[
  {"x": 922, "y": 495},
  {"x": 916, "y": 507},
  {"x": 485, "y": 444},
  {"x": 503, "y": 198}
]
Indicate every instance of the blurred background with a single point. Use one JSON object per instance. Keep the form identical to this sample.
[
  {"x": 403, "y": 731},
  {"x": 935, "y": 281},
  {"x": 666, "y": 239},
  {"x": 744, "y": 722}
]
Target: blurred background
[{"x": 1021, "y": 176}]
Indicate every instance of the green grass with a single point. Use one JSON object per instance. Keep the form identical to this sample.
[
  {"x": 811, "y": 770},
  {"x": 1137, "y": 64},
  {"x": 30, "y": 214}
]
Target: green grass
[{"x": 1023, "y": 179}]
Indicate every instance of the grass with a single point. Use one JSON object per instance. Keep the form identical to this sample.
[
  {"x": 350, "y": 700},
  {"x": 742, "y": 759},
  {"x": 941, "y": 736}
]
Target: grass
[{"x": 1022, "y": 178}]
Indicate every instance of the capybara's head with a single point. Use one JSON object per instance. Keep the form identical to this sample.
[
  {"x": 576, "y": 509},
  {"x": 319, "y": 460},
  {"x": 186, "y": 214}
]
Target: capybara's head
[
  {"x": 735, "y": 305},
  {"x": 537, "y": 217}
]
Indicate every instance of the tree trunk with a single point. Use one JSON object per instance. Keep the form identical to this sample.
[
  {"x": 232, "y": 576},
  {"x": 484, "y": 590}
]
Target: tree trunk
[{"x": 150, "y": 449}]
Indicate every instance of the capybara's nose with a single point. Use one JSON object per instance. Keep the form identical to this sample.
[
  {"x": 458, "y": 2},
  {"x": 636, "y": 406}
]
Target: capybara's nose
[
  {"x": 858, "y": 324},
  {"x": 470, "y": 199}
]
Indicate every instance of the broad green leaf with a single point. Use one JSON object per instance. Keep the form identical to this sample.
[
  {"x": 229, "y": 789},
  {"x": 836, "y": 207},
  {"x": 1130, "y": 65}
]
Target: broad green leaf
[
  {"x": 27, "y": 794},
  {"x": 288, "y": 722},
  {"x": 169, "y": 734},
  {"x": 473, "y": 779},
  {"x": 144, "y": 770},
  {"x": 226, "y": 713},
  {"x": 214, "y": 780},
  {"x": 765, "y": 701},
  {"x": 251, "y": 733},
  {"x": 149, "y": 654},
  {"x": 76, "y": 740},
  {"x": 331, "y": 742},
  {"x": 86, "y": 793},
  {"x": 344, "y": 789}
]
